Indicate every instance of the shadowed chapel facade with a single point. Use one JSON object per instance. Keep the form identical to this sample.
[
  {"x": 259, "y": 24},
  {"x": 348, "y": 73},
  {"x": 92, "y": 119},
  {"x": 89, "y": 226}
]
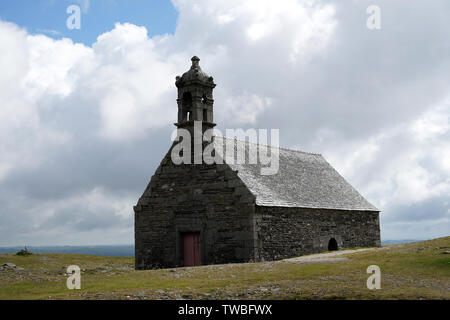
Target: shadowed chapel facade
[{"x": 193, "y": 214}]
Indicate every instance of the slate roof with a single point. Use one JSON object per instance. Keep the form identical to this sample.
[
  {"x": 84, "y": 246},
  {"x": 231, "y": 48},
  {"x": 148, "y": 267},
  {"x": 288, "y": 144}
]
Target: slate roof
[{"x": 304, "y": 180}]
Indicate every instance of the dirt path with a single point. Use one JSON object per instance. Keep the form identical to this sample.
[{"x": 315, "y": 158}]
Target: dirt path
[{"x": 327, "y": 257}]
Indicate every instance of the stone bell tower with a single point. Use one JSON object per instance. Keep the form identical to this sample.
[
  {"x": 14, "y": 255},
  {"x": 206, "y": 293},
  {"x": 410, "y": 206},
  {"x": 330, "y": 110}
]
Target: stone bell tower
[{"x": 195, "y": 98}]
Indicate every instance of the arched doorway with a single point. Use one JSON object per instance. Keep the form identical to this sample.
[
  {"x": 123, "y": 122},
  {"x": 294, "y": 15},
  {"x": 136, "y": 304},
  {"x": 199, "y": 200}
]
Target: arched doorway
[{"x": 332, "y": 245}]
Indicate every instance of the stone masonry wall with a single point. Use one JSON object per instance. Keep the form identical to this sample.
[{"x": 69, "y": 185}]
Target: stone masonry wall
[
  {"x": 210, "y": 199},
  {"x": 288, "y": 232}
]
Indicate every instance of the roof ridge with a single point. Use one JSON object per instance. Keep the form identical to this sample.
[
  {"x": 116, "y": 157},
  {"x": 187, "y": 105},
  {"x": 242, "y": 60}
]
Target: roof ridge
[{"x": 281, "y": 148}]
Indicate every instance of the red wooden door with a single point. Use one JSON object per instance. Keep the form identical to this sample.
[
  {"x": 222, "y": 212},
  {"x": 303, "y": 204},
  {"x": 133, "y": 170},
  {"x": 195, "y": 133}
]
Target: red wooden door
[{"x": 191, "y": 249}]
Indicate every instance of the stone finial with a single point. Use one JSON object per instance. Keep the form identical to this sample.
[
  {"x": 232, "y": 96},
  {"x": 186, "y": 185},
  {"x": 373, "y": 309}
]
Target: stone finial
[{"x": 195, "y": 61}]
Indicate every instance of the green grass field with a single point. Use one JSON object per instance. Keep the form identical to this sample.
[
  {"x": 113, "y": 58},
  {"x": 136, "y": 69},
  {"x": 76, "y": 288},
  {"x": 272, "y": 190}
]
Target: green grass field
[{"x": 419, "y": 270}]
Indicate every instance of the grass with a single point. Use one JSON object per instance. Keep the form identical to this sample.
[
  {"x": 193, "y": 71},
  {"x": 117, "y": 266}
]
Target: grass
[{"x": 417, "y": 270}]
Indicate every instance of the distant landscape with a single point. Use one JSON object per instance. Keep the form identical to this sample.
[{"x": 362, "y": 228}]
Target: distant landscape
[
  {"x": 110, "y": 250},
  {"x": 126, "y": 250}
]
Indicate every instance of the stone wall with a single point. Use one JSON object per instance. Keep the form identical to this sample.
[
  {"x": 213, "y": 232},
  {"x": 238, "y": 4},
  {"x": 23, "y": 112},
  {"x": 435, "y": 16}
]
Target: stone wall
[
  {"x": 285, "y": 232},
  {"x": 213, "y": 200},
  {"x": 210, "y": 199}
]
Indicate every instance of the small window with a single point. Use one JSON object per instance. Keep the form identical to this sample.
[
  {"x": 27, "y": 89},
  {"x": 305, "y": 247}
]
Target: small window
[
  {"x": 205, "y": 115},
  {"x": 204, "y": 99}
]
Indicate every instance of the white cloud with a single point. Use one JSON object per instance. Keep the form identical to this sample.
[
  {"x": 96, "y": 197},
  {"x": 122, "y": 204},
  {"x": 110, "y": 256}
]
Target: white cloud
[
  {"x": 404, "y": 168},
  {"x": 244, "y": 108},
  {"x": 34, "y": 69},
  {"x": 92, "y": 216}
]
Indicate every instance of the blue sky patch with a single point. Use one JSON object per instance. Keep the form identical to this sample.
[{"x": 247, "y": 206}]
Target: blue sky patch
[{"x": 97, "y": 16}]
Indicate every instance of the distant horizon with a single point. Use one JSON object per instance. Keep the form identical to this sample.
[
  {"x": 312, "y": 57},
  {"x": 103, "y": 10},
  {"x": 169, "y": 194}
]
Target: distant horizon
[
  {"x": 132, "y": 244},
  {"x": 115, "y": 250},
  {"x": 68, "y": 245}
]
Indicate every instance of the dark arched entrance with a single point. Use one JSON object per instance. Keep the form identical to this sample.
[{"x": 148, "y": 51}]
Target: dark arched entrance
[{"x": 332, "y": 244}]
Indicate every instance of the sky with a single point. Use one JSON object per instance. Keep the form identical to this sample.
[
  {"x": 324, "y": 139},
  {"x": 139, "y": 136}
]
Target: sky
[
  {"x": 49, "y": 17},
  {"x": 86, "y": 114}
]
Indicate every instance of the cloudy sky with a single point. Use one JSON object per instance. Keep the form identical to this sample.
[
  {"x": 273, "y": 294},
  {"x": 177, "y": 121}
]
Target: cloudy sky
[{"x": 86, "y": 114}]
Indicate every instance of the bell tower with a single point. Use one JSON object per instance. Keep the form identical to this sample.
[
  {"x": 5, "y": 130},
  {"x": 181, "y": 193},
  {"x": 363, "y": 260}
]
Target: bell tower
[{"x": 195, "y": 97}]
